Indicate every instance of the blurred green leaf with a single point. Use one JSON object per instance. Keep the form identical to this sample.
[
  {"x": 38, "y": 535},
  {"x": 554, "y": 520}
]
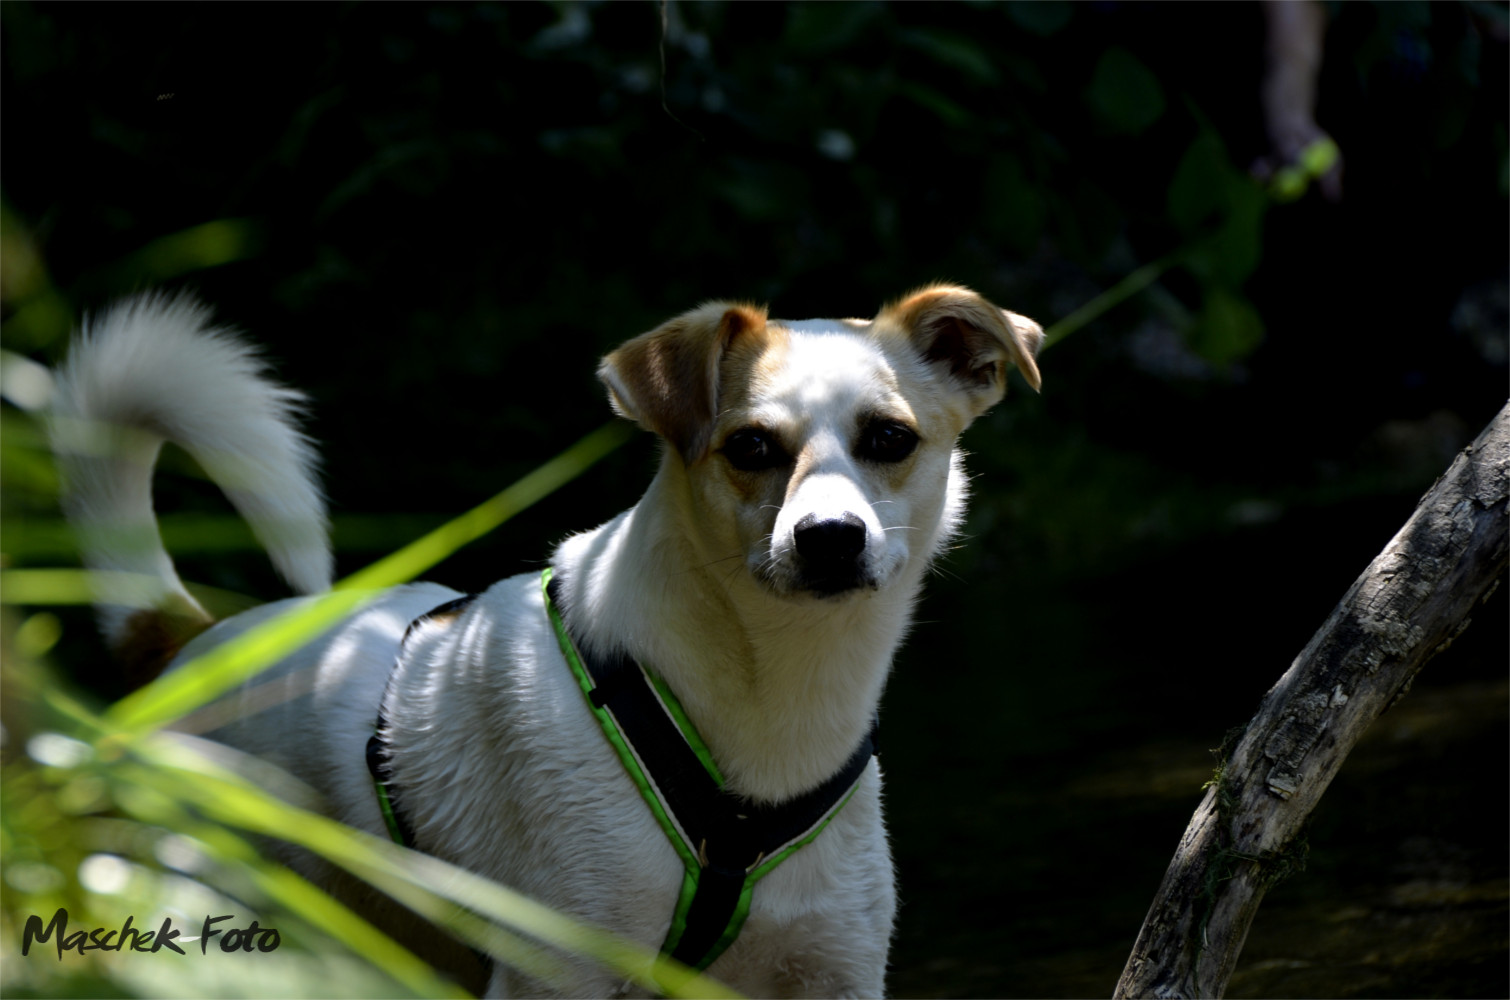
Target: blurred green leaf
[
  {"x": 42, "y": 319},
  {"x": 1040, "y": 17},
  {"x": 755, "y": 193},
  {"x": 22, "y": 272},
  {"x": 822, "y": 27},
  {"x": 1124, "y": 92},
  {"x": 1220, "y": 209},
  {"x": 1016, "y": 208},
  {"x": 944, "y": 108},
  {"x": 1227, "y": 329},
  {"x": 1238, "y": 245},
  {"x": 44, "y": 315},
  {"x": 211, "y": 244},
  {"x": 1198, "y": 190},
  {"x": 952, "y": 50},
  {"x": 25, "y": 470}
]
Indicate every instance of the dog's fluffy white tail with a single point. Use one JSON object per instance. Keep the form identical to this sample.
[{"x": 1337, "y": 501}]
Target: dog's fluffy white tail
[{"x": 154, "y": 369}]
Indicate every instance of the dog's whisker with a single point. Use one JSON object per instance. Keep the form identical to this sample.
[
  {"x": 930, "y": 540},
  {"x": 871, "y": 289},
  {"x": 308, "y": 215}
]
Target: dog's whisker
[
  {"x": 944, "y": 573},
  {"x": 723, "y": 559}
]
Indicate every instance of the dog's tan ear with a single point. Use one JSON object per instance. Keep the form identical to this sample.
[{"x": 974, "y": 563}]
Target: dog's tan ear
[
  {"x": 1024, "y": 345},
  {"x": 969, "y": 337},
  {"x": 667, "y": 380}
]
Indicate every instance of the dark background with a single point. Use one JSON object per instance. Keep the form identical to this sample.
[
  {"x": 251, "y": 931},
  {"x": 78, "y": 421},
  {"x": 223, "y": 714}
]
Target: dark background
[{"x": 440, "y": 216}]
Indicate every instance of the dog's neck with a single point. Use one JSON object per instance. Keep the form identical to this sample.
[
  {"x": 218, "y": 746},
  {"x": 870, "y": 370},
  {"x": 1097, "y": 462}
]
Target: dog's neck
[{"x": 782, "y": 689}]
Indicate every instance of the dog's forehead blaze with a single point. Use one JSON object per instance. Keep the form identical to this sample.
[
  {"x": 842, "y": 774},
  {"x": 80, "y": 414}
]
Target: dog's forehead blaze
[{"x": 816, "y": 370}]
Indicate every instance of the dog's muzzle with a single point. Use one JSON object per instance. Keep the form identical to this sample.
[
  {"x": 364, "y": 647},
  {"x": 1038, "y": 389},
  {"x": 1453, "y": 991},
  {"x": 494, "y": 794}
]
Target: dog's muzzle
[{"x": 831, "y": 554}]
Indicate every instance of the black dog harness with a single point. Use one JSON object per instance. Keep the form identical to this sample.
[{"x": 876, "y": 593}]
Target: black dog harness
[{"x": 726, "y": 843}]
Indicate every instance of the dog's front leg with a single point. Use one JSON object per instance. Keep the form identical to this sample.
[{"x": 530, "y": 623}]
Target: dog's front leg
[
  {"x": 843, "y": 956},
  {"x": 859, "y": 974},
  {"x": 591, "y": 981}
]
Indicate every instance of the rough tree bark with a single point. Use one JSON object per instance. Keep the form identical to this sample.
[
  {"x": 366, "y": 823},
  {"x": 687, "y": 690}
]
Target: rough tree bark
[{"x": 1410, "y": 603}]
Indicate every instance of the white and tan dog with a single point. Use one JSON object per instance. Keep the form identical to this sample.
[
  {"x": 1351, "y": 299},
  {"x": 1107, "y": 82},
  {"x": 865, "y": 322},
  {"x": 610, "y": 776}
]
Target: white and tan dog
[{"x": 767, "y": 576}]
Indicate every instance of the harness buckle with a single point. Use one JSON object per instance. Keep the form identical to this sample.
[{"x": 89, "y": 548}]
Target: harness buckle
[{"x": 703, "y": 862}]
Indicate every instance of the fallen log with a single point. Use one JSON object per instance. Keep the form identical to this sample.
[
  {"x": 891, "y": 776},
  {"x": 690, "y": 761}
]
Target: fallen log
[{"x": 1411, "y": 602}]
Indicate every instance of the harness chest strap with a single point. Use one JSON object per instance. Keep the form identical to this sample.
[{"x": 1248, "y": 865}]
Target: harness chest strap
[{"x": 726, "y": 843}]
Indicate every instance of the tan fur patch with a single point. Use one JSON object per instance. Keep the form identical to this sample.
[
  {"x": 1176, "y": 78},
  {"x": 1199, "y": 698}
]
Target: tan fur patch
[
  {"x": 153, "y": 636},
  {"x": 667, "y": 380},
  {"x": 955, "y": 326}
]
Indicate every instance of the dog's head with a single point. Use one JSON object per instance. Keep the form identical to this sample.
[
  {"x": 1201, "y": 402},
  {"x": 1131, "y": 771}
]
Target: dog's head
[{"x": 821, "y": 453}]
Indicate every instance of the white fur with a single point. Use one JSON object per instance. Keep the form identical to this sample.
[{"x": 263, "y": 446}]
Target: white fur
[
  {"x": 154, "y": 369},
  {"x": 500, "y": 764}
]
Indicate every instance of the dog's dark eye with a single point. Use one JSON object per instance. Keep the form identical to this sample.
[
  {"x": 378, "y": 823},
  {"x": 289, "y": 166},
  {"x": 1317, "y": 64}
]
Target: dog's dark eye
[
  {"x": 886, "y": 441},
  {"x": 753, "y": 450}
]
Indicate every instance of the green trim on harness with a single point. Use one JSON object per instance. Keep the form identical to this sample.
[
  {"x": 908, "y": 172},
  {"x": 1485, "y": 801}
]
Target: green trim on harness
[
  {"x": 390, "y": 817},
  {"x": 689, "y": 731},
  {"x": 716, "y": 891},
  {"x": 631, "y": 763}
]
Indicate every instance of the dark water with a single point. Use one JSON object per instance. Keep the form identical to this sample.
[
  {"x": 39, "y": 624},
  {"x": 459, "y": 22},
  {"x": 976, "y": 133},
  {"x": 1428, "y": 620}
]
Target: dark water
[{"x": 1035, "y": 802}]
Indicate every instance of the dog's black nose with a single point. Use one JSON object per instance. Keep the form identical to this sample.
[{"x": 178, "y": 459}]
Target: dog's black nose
[
  {"x": 832, "y": 540},
  {"x": 830, "y": 549}
]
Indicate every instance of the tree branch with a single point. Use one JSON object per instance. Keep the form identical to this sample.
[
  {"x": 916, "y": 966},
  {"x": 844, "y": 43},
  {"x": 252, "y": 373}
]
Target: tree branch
[{"x": 1411, "y": 602}]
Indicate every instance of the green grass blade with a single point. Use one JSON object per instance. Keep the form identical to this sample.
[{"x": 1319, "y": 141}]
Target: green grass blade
[
  {"x": 242, "y": 657},
  {"x": 176, "y": 783},
  {"x": 425, "y": 884},
  {"x": 419, "y": 555},
  {"x": 52, "y": 586},
  {"x": 222, "y": 668},
  {"x": 141, "y": 790},
  {"x": 1123, "y": 290}
]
